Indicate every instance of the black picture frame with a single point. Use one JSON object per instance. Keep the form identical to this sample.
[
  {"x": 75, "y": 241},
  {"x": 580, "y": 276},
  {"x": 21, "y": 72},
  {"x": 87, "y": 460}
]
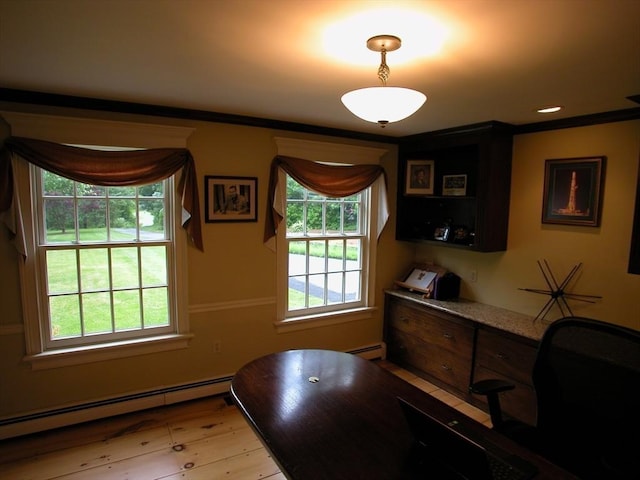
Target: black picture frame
[
  {"x": 230, "y": 199},
  {"x": 419, "y": 177},
  {"x": 441, "y": 233},
  {"x": 573, "y": 191}
]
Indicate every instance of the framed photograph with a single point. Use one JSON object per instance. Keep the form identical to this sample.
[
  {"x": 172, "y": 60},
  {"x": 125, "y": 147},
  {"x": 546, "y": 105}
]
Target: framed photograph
[
  {"x": 231, "y": 199},
  {"x": 573, "y": 190},
  {"x": 461, "y": 235},
  {"x": 419, "y": 179},
  {"x": 441, "y": 233},
  {"x": 454, "y": 185}
]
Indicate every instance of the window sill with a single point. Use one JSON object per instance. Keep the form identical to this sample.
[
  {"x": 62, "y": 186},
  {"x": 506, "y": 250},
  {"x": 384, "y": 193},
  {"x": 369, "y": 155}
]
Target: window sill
[
  {"x": 323, "y": 320},
  {"x": 106, "y": 351}
]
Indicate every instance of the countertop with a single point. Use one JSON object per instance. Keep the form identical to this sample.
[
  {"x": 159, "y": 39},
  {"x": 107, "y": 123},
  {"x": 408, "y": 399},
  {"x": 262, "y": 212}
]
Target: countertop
[{"x": 500, "y": 318}]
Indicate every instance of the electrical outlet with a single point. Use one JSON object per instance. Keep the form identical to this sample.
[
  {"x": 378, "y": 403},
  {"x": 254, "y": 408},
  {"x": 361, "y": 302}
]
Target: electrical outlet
[
  {"x": 216, "y": 346},
  {"x": 473, "y": 276}
]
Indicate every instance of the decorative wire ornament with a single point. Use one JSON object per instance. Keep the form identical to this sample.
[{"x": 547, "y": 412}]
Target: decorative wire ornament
[{"x": 557, "y": 291}]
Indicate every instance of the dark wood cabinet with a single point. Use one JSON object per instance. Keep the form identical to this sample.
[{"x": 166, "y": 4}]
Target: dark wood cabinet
[
  {"x": 438, "y": 345},
  {"x": 482, "y": 153},
  {"x": 452, "y": 352}
]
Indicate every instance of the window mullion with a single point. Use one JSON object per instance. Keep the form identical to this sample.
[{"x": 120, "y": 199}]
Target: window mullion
[
  {"x": 137, "y": 204},
  {"x": 83, "y": 329},
  {"x": 111, "y": 292},
  {"x": 76, "y": 218},
  {"x": 324, "y": 216},
  {"x": 307, "y": 277},
  {"x": 140, "y": 298},
  {"x": 107, "y": 200}
]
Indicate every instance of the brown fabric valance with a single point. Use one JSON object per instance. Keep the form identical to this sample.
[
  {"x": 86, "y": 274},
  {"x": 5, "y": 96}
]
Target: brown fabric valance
[
  {"x": 330, "y": 180},
  {"x": 107, "y": 168}
]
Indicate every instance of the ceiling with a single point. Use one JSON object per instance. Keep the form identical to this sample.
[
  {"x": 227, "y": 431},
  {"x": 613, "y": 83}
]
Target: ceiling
[{"x": 291, "y": 60}]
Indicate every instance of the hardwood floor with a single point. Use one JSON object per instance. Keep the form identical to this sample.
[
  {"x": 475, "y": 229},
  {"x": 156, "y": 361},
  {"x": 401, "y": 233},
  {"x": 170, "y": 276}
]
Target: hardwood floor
[{"x": 201, "y": 439}]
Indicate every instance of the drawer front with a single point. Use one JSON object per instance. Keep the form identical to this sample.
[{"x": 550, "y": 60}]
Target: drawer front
[
  {"x": 505, "y": 356},
  {"x": 448, "y": 334},
  {"x": 519, "y": 403},
  {"x": 441, "y": 363}
]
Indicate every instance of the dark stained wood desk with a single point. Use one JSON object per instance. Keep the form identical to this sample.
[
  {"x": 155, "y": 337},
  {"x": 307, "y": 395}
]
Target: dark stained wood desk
[{"x": 331, "y": 415}]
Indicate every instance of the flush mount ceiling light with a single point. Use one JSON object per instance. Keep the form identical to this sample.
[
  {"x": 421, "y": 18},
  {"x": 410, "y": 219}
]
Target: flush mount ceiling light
[
  {"x": 550, "y": 109},
  {"x": 384, "y": 104}
]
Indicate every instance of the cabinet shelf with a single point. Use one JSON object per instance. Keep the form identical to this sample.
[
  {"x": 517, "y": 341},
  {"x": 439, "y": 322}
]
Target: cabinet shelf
[
  {"x": 482, "y": 153},
  {"x": 452, "y": 197}
]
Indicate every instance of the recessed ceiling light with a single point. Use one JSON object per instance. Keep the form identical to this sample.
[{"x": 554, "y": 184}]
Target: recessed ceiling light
[{"x": 553, "y": 109}]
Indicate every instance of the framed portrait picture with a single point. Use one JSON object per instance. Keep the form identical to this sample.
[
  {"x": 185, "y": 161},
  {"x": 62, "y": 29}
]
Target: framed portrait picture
[
  {"x": 573, "y": 190},
  {"x": 230, "y": 199},
  {"x": 419, "y": 179},
  {"x": 454, "y": 185},
  {"x": 441, "y": 233}
]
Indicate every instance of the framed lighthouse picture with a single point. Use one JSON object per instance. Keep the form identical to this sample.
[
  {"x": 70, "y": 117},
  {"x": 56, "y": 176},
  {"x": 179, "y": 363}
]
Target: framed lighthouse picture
[{"x": 573, "y": 190}]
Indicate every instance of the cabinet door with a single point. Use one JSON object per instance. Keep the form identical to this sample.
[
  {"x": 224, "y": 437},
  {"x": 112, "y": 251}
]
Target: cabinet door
[
  {"x": 431, "y": 343},
  {"x": 504, "y": 357},
  {"x": 437, "y": 362},
  {"x": 441, "y": 330}
]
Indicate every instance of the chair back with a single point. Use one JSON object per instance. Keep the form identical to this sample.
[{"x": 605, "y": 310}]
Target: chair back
[{"x": 587, "y": 381}]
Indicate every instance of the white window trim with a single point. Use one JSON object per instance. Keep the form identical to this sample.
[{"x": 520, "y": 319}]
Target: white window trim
[
  {"x": 72, "y": 130},
  {"x": 337, "y": 154}
]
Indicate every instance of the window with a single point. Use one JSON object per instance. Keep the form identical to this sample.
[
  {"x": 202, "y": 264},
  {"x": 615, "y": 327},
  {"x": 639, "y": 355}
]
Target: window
[
  {"x": 103, "y": 254},
  {"x": 105, "y": 270},
  {"x": 326, "y": 255},
  {"x": 327, "y": 244}
]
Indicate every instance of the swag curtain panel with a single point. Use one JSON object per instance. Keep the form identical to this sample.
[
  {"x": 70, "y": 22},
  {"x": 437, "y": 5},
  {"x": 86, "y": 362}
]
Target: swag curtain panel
[
  {"x": 329, "y": 180},
  {"x": 104, "y": 168}
]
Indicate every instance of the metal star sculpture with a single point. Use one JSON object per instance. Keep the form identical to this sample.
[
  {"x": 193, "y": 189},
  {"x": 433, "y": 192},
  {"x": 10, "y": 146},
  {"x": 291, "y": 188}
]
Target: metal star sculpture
[{"x": 557, "y": 291}]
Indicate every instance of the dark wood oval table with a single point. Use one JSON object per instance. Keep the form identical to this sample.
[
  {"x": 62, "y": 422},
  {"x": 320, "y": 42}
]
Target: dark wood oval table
[{"x": 331, "y": 415}]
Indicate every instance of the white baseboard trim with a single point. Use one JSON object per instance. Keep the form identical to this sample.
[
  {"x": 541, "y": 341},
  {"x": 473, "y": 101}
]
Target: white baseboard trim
[
  {"x": 70, "y": 415},
  {"x": 73, "y": 414},
  {"x": 375, "y": 351}
]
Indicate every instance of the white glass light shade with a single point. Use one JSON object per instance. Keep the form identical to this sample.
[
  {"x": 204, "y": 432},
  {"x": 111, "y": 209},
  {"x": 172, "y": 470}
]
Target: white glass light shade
[{"x": 383, "y": 104}]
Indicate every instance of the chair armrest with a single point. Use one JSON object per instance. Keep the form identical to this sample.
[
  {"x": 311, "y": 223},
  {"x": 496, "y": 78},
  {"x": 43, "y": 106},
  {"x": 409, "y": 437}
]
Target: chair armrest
[{"x": 491, "y": 385}]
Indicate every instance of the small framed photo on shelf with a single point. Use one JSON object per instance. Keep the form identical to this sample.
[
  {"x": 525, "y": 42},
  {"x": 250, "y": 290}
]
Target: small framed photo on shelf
[
  {"x": 461, "y": 235},
  {"x": 441, "y": 233},
  {"x": 454, "y": 185},
  {"x": 420, "y": 174},
  {"x": 231, "y": 199},
  {"x": 573, "y": 191}
]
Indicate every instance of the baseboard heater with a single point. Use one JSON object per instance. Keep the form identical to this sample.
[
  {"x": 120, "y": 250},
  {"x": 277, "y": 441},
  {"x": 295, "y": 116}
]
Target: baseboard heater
[{"x": 61, "y": 417}]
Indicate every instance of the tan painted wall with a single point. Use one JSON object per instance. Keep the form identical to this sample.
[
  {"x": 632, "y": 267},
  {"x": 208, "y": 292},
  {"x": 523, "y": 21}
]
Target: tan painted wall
[
  {"x": 236, "y": 268},
  {"x": 603, "y": 251}
]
